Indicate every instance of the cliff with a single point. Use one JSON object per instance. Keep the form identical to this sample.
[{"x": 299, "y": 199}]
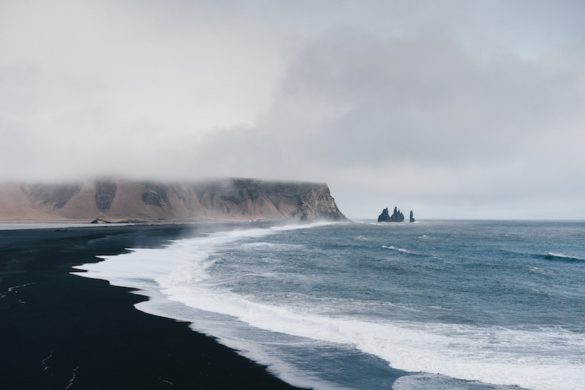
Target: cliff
[{"x": 150, "y": 201}]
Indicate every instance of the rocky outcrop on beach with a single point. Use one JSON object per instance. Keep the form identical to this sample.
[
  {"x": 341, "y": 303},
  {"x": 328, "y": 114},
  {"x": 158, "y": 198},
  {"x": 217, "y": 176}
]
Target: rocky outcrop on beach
[
  {"x": 153, "y": 201},
  {"x": 396, "y": 216}
]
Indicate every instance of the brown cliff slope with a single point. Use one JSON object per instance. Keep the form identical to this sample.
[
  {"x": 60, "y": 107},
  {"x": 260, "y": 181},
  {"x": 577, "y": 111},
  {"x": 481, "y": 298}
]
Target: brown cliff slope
[{"x": 151, "y": 201}]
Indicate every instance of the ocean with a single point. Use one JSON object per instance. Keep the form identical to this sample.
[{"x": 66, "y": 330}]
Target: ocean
[{"x": 361, "y": 305}]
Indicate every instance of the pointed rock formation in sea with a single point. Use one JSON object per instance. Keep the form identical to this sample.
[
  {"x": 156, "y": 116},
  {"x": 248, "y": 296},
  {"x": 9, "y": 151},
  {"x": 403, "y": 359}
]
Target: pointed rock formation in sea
[
  {"x": 396, "y": 216},
  {"x": 384, "y": 217},
  {"x": 412, "y": 216}
]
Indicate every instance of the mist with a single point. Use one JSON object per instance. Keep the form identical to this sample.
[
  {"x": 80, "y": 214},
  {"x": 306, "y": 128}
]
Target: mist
[{"x": 456, "y": 110}]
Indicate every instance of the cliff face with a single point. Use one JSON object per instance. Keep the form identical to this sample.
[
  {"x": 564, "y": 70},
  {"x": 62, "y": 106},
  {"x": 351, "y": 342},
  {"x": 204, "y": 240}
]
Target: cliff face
[{"x": 124, "y": 200}]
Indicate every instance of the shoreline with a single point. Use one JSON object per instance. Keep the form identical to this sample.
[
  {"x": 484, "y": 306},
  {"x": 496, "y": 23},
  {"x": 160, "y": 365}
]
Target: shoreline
[
  {"x": 136, "y": 222},
  {"x": 74, "y": 224},
  {"x": 62, "y": 330}
]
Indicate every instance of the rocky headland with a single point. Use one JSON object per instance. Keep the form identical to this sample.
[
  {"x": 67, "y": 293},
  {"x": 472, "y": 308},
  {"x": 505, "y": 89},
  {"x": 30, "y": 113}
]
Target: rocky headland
[{"x": 109, "y": 200}]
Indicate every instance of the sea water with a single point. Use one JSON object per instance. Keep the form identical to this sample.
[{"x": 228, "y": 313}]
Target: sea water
[{"x": 362, "y": 305}]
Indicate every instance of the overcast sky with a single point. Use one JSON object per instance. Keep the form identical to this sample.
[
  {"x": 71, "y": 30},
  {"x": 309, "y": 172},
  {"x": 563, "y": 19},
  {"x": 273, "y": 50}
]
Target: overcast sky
[{"x": 458, "y": 109}]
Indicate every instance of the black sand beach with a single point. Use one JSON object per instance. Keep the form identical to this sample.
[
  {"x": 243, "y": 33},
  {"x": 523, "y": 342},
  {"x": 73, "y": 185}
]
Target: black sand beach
[{"x": 61, "y": 331}]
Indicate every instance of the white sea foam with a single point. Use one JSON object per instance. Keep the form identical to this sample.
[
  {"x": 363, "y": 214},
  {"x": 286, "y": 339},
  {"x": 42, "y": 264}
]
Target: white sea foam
[
  {"x": 405, "y": 251},
  {"x": 184, "y": 262},
  {"x": 439, "y": 382},
  {"x": 402, "y": 250},
  {"x": 271, "y": 246},
  {"x": 562, "y": 256},
  {"x": 543, "y": 359},
  {"x": 546, "y": 358}
]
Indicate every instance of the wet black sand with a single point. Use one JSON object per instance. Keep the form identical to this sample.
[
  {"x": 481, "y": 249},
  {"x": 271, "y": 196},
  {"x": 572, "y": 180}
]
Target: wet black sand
[{"x": 61, "y": 331}]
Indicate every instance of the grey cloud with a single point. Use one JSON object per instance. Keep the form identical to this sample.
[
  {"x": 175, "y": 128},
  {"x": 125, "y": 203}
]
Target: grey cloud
[
  {"x": 455, "y": 109},
  {"x": 471, "y": 128},
  {"x": 425, "y": 99}
]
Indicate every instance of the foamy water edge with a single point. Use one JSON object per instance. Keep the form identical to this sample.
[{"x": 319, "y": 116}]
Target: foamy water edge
[{"x": 182, "y": 275}]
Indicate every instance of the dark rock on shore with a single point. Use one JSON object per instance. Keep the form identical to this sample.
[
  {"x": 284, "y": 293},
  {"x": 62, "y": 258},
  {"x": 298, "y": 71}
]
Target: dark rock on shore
[
  {"x": 99, "y": 221},
  {"x": 412, "y": 217}
]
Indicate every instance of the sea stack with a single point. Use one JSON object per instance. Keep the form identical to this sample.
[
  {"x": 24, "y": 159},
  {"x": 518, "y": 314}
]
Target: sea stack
[
  {"x": 412, "y": 217},
  {"x": 396, "y": 216},
  {"x": 384, "y": 217}
]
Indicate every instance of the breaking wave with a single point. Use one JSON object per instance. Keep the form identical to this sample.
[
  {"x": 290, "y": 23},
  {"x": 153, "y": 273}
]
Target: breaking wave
[
  {"x": 562, "y": 257},
  {"x": 404, "y": 251},
  {"x": 545, "y": 358}
]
